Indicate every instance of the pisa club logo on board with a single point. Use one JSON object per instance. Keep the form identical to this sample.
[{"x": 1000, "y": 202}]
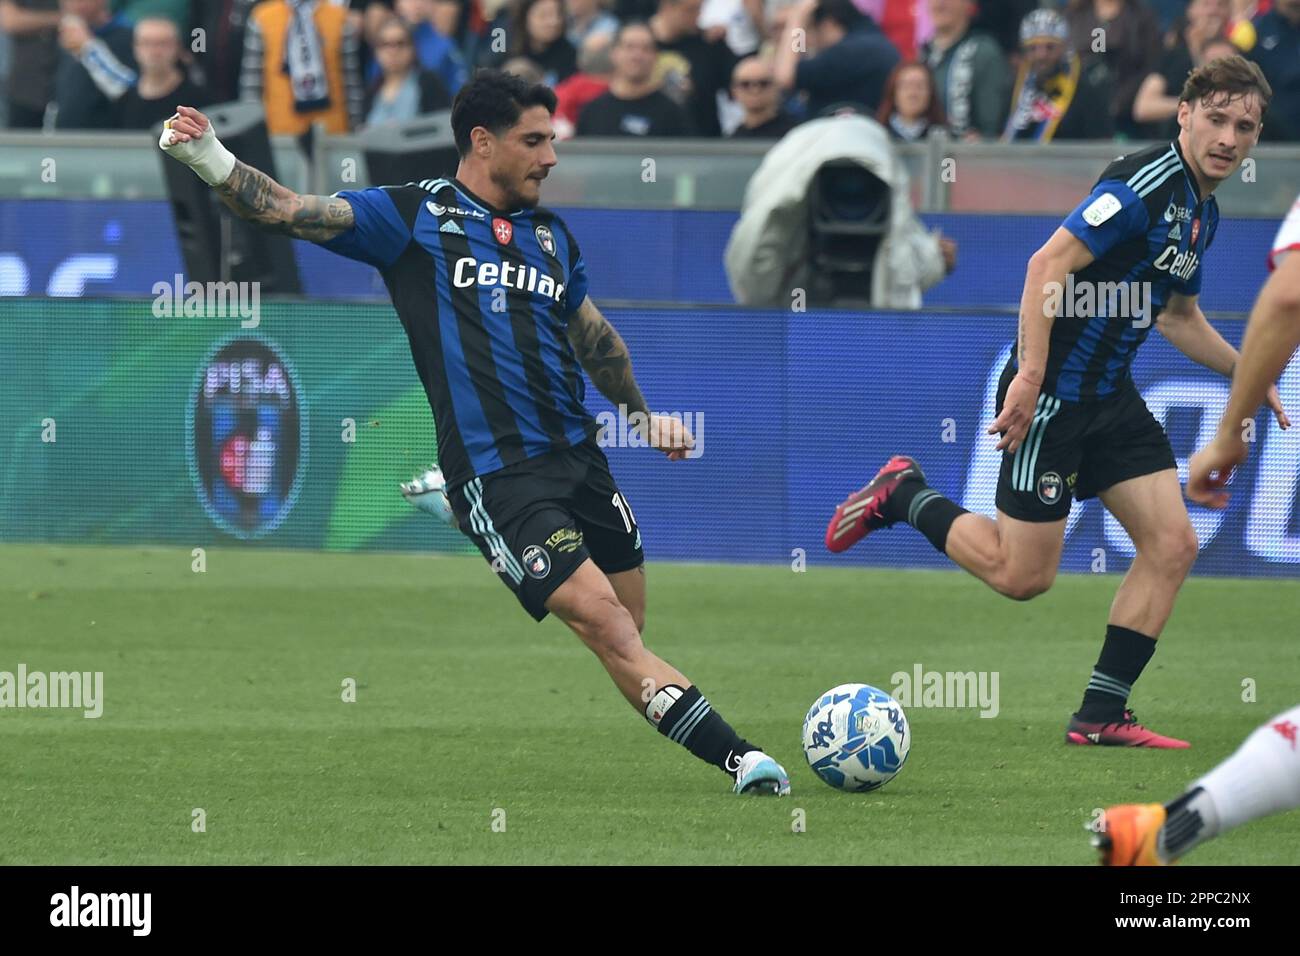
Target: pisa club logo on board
[{"x": 247, "y": 436}]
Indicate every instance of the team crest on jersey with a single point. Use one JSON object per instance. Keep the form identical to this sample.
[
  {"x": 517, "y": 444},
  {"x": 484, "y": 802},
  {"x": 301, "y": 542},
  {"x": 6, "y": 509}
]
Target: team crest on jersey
[
  {"x": 545, "y": 239},
  {"x": 1196, "y": 230},
  {"x": 1049, "y": 488},
  {"x": 503, "y": 230},
  {"x": 536, "y": 562}
]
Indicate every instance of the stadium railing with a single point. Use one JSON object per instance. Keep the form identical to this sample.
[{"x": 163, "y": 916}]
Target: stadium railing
[{"x": 947, "y": 175}]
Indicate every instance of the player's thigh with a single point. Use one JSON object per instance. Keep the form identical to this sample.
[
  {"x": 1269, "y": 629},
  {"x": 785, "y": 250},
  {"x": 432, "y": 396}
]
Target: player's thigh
[
  {"x": 1123, "y": 441},
  {"x": 1031, "y": 550},
  {"x": 527, "y": 538},
  {"x": 588, "y": 603},
  {"x": 1130, "y": 465},
  {"x": 1151, "y": 509}
]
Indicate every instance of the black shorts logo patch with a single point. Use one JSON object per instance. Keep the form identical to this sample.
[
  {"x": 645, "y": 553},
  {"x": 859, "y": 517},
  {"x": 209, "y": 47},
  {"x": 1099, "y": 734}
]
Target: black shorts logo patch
[
  {"x": 565, "y": 541},
  {"x": 536, "y": 561},
  {"x": 1049, "y": 488}
]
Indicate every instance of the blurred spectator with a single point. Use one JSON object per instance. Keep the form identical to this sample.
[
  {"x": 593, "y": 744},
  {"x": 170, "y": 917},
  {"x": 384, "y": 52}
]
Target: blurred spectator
[
  {"x": 404, "y": 89},
  {"x": 694, "y": 71},
  {"x": 753, "y": 86},
  {"x": 1001, "y": 20},
  {"x": 627, "y": 10},
  {"x": 1277, "y": 51},
  {"x": 910, "y": 108},
  {"x": 634, "y": 105},
  {"x": 852, "y": 59},
  {"x": 524, "y": 68},
  {"x": 738, "y": 23},
  {"x": 1057, "y": 96},
  {"x": 34, "y": 54},
  {"x": 586, "y": 18},
  {"x": 97, "y": 65},
  {"x": 1125, "y": 36},
  {"x": 536, "y": 31},
  {"x": 434, "y": 50},
  {"x": 777, "y": 13},
  {"x": 449, "y": 19},
  {"x": 223, "y": 23},
  {"x": 302, "y": 62},
  {"x": 591, "y": 80},
  {"x": 1241, "y": 31},
  {"x": 162, "y": 83},
  {"x": 1156, "y": 103},
  {"x": 177, "y": 11},
  {"x": 1168, "y": 12},
  {"x": 1217, "y": 49},
  {"x": 905, "y": 22},
  {"x": 970, "y": 72}
]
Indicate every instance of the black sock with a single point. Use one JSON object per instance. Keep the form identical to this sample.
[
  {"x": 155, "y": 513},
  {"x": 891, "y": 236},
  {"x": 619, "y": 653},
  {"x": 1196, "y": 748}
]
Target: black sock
[
  {"x": 925, "y": 510},
  {"x": 1123, "y": 656},
  {"x": 1183, "y": 824},
  {"x": 685, "y": 716}
]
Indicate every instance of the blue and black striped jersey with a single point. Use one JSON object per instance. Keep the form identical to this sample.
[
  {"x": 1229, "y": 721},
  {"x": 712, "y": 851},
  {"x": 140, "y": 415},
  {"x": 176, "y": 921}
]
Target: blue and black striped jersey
[
  {"x": 485, "y": 296},
  {"x": 1148, "y": 228}
]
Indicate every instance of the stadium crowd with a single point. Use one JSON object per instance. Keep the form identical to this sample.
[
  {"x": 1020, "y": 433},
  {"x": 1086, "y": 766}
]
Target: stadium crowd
[{"x": 1011, "y": 70}]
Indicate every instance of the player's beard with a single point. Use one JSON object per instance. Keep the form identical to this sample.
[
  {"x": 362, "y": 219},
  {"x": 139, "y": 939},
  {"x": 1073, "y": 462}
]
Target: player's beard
[{"x": 510, "y": 189}]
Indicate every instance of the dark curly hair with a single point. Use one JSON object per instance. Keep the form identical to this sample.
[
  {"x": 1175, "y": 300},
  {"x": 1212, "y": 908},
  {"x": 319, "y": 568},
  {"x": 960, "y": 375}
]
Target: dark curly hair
[{"x": 494, "y": 100}]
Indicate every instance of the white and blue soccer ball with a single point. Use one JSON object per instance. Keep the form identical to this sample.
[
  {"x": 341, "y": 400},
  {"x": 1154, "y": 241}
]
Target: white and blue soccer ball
[{"x": 856, "y": 737}]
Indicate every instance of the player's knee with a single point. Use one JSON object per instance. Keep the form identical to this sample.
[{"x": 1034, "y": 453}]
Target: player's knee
[
  {"x": 1177, "y": 549},
  {"x": 1022, "y": 585}
]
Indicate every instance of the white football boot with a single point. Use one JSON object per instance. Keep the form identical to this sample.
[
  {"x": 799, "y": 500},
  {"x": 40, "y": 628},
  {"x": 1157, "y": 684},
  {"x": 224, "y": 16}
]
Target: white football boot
[{"x": 760, "y": 774}]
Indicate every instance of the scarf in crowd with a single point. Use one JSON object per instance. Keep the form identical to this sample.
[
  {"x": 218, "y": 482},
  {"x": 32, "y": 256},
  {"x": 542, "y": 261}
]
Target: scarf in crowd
[
  {"x": 303, "y": 60},
  {"x": 1041, "y": 105}
]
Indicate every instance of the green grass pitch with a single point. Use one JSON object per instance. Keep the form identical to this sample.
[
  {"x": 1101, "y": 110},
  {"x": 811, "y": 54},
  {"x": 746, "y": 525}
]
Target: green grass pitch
[{"x": 223, "y": 691}]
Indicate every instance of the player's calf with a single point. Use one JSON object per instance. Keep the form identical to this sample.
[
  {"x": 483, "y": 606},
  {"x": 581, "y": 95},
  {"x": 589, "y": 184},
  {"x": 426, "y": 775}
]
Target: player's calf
[{"x": 588, "y": 604}]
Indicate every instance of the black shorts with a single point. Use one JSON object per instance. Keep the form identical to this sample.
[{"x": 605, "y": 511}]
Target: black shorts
[
  {"x": 1077, "y": 450},
  {"x": 538, "y": 520}
]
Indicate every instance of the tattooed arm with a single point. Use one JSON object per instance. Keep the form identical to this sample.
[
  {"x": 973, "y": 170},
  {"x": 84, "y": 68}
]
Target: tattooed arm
[
  {"x": 189, "y": 138},
  {"x": 603, "y": 353},
  {"x": 255, "y": 196}
]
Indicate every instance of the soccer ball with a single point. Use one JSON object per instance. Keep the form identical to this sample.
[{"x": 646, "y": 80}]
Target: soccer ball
[{"x": 856, "y": 737}]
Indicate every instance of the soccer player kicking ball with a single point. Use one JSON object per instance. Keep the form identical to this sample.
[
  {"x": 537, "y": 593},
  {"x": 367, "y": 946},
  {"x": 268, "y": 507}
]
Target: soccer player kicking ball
[
  {"x": 1263, "y": 776},
  {"x": 492, "y": 292},
  {"x": 1071, "y": 421}
]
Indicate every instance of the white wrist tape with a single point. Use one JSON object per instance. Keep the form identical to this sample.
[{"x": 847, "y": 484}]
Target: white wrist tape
[{"x": 206, "y": 156}]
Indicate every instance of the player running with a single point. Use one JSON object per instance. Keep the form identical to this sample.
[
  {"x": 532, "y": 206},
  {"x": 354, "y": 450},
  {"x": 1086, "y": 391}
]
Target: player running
[
  {"x": 1263, "y": 776},
  {"x": 492, "y": 292},
  {"x": 1071, "y": 421}
]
